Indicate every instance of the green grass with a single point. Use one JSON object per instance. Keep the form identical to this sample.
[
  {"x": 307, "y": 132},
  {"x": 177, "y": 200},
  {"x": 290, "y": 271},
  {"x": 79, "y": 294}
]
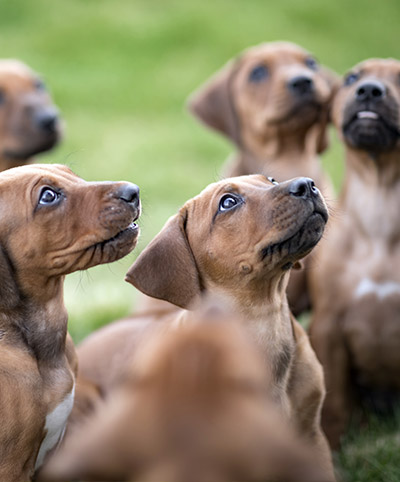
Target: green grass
[{"x": 121, "y": 70}]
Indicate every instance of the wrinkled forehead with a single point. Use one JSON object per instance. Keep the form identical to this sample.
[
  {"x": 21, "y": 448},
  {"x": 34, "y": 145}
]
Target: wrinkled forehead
[
  {"x": 25, "y": 176},
  {"x": 276, "y": 53},
  {"x": 381, "y": 68}
]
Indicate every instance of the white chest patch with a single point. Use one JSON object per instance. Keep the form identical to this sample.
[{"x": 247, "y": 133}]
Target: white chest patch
[
  {"x": 55, "y": 426},
  {"x": 381, "y": 290}
]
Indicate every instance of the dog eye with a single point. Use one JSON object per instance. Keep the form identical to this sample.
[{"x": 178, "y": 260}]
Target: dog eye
[
  {"x": 39, "y": 84},
  {"x": 271, "y": 179},
  {"x": 228, "y": 201},
  {"x": 48, "y": 196},
  {"x": 351, "y": 78},
  {"x": 258, "y": 74},
  {"x": 2, "y": 96},
  {"x": 311, "y": 63}
]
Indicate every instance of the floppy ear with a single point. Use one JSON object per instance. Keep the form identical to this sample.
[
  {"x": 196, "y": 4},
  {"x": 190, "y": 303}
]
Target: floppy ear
[
  {"x": 333, "y": 80},
  {"x": 9, "y": 293},
  {"x": 213, "y": 104},
  {"x": 166, "y": 268}
]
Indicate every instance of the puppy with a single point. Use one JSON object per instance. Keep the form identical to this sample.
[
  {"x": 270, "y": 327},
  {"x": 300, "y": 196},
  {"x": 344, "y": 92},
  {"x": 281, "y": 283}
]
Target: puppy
[
  {"x": 193, "y": 406},
  {"x": 273, "y": 102},
  {"x": 52, "y": 223},
  {"x": 29, "y": 121},
  {"x": 237, "y": 239},
  {"x": 356, "y": 279}
]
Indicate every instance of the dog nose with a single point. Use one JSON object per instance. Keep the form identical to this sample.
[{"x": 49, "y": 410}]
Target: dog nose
[
  {"x": 301, "y": 85},
  {"x": 47, "y": 120},
  {"x": 303, "y": 187},
  {"x": 371, "y": 90},
  {"x": 129, "y": 193}
]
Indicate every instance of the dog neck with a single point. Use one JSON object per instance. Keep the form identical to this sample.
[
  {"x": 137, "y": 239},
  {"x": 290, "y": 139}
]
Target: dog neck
[
  {"x": 7, "y": 163},
  {"x": 284, "y": 156},
  {"x": 265, "y": 311},
  {"x": 37, "y": 325},
  {"x": 371, "y": 193}
]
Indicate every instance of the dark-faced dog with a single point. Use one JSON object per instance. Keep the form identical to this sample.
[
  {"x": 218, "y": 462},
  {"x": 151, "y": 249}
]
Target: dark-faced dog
[
  {"x": 51, "y": 223},
  {"x": 29, "y": 121},
  {"x": 356, "y": 278}
]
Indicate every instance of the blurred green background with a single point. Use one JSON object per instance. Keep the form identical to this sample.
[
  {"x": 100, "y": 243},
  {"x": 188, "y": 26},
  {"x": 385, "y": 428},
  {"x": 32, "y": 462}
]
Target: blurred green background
[{"x": 120, "y": 72}]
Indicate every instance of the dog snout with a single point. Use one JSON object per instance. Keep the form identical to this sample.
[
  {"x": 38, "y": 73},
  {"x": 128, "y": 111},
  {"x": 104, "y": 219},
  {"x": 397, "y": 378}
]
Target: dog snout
[
  {"x": 47, "y": 120},
  {"x": 370, "y": 90},
  {"x": 129, "y": 193},
  {"x": 301, "y": 85},
  {"x": 303, "y": 187}
]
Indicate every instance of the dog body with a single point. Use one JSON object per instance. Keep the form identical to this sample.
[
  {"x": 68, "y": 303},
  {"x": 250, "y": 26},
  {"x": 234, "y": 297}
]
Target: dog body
[
  {"x": 44, "y": 235},
  {"x": 273, "y": 103},
  {"x": 29, "y": 121},
  {"x": 238, "y": 240},
  {"x": 193, "y": 406},
  {"x": 357, "y": 336}
]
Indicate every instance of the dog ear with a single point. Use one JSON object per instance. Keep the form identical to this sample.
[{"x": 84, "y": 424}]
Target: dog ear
[
  {"x": 213, "y": 104},
  {"x": 9, "y": 293},
  {"x": 166, "y": 268},
  {"x": 333, "y": 79}
]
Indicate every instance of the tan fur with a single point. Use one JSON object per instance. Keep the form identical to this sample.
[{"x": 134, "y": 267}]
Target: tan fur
[
  {"x": 29, "y": 121},
  {"x": 240, "y": 254},
  {"x": 356, "y": 282},
  {"x": 39, "y": 244},
  {"x": 193, "y": 407},
  {"x": 278, "y": 131}
]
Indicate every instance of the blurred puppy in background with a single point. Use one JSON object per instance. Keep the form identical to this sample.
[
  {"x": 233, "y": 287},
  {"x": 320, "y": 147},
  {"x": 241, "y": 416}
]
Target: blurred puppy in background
[
  {"x": 29, "y": 121},
  {"x": 192, "y": 407},
  {"x": 356, "y": 278},
  {"x": 273, "y": 102}
]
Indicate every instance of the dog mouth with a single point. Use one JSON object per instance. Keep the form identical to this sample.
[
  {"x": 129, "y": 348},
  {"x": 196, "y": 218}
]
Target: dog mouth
[
  {"x": 298, "y": 244},
  {"x": 303, "y": 112},
  {"x": 371, "y": 129}
]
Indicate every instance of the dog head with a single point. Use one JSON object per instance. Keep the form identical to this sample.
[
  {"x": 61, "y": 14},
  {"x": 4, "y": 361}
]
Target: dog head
[
  {"x": 53, "y": 223},
  {"x": 274, "y": 89},
  {"x": 237, "y": 237},
  {"x": 193, "y": 406},
  {"x": 366, "y": 109},
  {"x": 29, "y": 121}
]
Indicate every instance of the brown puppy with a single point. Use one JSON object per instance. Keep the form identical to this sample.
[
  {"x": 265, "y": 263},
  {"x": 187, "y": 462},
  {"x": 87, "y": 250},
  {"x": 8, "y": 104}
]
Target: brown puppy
[
  {"x": 193, "y": 407},
  {"x": 29, "y": 121},
  {"x": 52, "y": 223},
  {"x": 356, "y": 282},
  {"x": 273, "y": 102},
  {"x": 238, "y": 239}
]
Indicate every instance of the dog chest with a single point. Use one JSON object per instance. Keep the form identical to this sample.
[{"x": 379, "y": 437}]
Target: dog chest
[{"x": 54, "y": 426}]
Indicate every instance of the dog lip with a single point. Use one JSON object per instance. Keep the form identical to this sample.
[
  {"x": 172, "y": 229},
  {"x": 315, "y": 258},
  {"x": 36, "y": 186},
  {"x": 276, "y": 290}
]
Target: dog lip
[
  {"x": 280, "y": 244},
  {"x": 367, "y": 114}
]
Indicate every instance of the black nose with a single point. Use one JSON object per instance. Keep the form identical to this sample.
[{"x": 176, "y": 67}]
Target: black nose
[
  {"x": 129, "y": 193},
  {"x": 303, "y": 187},
  {"x": 371, "y": 90},
  {"x": 301, "y": 85},
  {"x": 47, "y": 120}
]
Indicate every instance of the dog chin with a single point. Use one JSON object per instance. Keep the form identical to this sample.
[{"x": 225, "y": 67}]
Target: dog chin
[
  {"x": 111, "y": 249},
  {"x": 299, "y": 244},
  {"x": 369, "y": 130},
  {"x": 26, "y": 152},
  {"x": 299, "y": 115}
]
